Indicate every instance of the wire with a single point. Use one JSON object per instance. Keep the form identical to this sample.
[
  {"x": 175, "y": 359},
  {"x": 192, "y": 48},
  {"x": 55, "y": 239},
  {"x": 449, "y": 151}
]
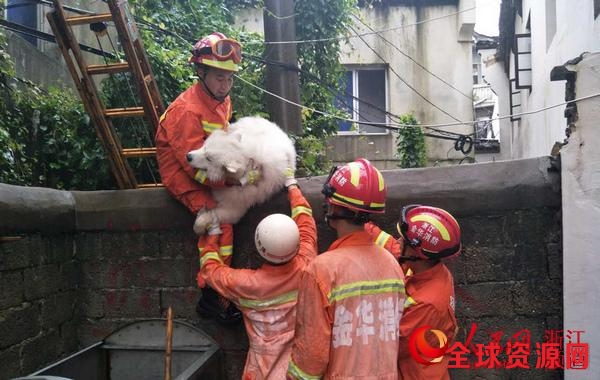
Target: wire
[
  {"x": 412, "y": 59},
  {"x": 396, "y": 126},
  {"x": 365, "y": 34},
  {"x": 406, "y": 83}
]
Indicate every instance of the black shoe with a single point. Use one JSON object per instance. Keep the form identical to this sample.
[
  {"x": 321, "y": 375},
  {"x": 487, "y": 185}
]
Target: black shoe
[{"x": 212, "y": 305}]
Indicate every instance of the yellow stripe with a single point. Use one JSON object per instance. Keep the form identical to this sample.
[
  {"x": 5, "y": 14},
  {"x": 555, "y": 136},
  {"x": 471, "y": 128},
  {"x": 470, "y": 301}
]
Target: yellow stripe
[
  {"x": 228, "y": 65},
  {"x": 348, "y": 199},
  {"x": 361, "y": 288},
  {"x": 433, "y": 221},
  {"x": 301, "y": 210},
  {"x": 162, "y": 117},
  {"x": 209, "y": 256},
  {"x": 200, "y": 176},
  {"x": 377, "y": 205},
  {"x": 409, "y": 301},
  {"x": 210, "y": 127},
  {"x": 382, "y": 238},
  {"x": 380, "y": 180},
  {"x": 354, "y": 173},
  {"x": 262, "y": 304},
  {"x": 297, "y": 373},
  {"x": 226, "y": 250}
]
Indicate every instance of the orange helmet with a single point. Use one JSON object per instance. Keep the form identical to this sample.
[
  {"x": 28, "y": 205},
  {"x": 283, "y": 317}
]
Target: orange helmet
[
  {"x": 216, "y": 50},
  {"x": 431, "y": 231},
  {"x": 358, "y": 186}
]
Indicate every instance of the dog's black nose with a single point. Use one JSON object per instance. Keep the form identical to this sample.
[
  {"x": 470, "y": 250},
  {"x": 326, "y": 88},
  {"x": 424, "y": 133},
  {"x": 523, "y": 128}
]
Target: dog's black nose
[{"x": 189, "y": 157}]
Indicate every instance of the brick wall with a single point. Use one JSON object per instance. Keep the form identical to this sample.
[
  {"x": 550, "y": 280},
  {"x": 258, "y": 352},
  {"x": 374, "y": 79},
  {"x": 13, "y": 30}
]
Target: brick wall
[{"x": 91, "y": 262}]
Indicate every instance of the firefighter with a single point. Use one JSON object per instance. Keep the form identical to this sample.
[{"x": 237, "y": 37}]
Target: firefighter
[
  {"x": 351, "y": 297},
  {"x": 267, "y": 296},
  {"x": 187, "y": 122},
  {"x": 428, "y": 235}
]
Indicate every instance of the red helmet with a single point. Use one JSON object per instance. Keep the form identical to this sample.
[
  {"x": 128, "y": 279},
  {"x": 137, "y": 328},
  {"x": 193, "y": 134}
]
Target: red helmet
[
  {"x": 216, "y": 50},
  {"x": 431, "y": 231},
  {"x": 358, "y": 186}
]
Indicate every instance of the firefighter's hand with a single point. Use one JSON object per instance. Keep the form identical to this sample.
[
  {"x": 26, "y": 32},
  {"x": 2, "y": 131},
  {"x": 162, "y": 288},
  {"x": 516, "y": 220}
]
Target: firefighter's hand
[
  {"x": 207, "y": 222},
  {"x": 290, "y": 179}
]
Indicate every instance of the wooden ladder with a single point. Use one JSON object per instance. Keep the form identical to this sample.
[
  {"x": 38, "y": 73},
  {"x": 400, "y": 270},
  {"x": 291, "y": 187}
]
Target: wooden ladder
[{"x": 136, "y": 62}]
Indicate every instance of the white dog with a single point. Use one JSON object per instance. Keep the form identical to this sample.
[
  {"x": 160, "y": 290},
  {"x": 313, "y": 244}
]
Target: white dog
[{"x": 251, "y": 145}]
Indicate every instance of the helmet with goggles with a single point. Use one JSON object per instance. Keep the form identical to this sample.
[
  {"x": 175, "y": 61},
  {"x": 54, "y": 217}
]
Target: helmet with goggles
[
  {"x": 357, "y": 186},
  {"x": 432, "y": 232},
  {"x": 216, "y": 50}
]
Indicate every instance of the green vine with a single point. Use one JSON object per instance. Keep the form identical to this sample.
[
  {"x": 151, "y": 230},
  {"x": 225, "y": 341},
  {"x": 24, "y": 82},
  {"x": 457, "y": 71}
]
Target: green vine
[{"x": 410, "y": 144}]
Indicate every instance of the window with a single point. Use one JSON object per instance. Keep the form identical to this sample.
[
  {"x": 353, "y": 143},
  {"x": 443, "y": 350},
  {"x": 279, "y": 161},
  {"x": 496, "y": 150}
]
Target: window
[
  {"x": 523, "y": 61},
  {"x": 23, "y": 12},
  {"x": 596, "y": 8},
  {"x": 364, "y": 99}
]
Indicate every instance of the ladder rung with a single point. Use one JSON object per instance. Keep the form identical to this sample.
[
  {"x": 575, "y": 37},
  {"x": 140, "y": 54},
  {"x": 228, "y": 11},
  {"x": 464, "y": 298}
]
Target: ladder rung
[
  {"x": 108, "y": 69},
  {"x": 90, "y": 19},
  {"x": 149, "y": 185},
  {"x": 138, "y": 152},
  {"x": 124, "y": 112}
]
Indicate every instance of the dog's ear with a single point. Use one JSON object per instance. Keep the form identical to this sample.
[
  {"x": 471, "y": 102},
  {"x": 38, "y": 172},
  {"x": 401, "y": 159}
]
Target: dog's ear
[
  {"x": 235, "y": 168},
  {"x": 236, "y": 136}
]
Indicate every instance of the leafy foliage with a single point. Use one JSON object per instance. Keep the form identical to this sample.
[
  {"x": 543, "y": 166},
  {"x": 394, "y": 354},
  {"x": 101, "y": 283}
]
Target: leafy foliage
[
  {"x": 410, "y": 144},
  {"x": 45, "y": 137}
]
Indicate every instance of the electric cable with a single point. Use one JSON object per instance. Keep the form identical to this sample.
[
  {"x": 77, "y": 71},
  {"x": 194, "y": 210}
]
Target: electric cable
[{"x": 414, "y": 61}]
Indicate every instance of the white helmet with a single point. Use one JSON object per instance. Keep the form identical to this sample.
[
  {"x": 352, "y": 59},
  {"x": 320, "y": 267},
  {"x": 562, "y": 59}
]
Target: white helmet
[{"x": 277, "y": 238}]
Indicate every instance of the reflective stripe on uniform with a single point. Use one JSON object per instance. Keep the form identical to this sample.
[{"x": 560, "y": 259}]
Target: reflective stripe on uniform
[
  {"x": 210, "y": 127},
  {"x": 293, "y": 370},
  {"x": 209, "y": 256},
  {"x": 409, "y": 301},
  {"x": 382, "y": 239},
  {"x": 301, "y": 210},
  {"x": 362, "y": 288},
  {"x": 226, "y": 250},
  {"x": 261, "y": 304}
]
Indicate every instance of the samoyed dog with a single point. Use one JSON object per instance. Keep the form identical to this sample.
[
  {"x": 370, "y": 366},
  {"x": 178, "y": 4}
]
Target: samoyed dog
[{"x": 251, "y": 145}]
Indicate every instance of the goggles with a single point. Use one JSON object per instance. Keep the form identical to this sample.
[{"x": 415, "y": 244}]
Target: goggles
[{"x": 223, "y": 50}]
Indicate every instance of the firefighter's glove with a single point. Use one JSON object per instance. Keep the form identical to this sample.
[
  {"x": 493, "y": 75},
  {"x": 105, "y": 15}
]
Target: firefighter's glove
[
  {"x": 214, "y": 228},
  {"x": 290, "y": 178}
]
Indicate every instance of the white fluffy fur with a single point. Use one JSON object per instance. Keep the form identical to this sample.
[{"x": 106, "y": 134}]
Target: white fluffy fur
[{"x": 249, "y": 143}]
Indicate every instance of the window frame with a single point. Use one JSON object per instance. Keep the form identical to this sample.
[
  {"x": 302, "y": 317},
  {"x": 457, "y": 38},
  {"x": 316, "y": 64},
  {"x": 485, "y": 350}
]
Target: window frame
[{"x": 354, "y": 69}]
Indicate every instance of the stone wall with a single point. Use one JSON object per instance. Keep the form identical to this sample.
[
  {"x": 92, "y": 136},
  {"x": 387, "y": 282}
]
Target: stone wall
[{"x": 88, "y": 263}]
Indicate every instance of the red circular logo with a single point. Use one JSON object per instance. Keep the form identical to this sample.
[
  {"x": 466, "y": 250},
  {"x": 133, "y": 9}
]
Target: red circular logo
[{"x": 422, "y": 351}]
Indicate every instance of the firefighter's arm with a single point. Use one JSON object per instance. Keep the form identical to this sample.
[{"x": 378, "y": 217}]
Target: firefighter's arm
[
  {"x": 228, "y": 282},
  {"x": 312, "y": 339},
  {"x": 383, "y": 239},
  {"x": 302, "y": 215}
]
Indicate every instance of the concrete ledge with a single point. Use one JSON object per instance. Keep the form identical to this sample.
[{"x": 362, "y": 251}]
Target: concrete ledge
[
  {"x": 463, "y": 190},
  {"x": 35, "y": 209}
]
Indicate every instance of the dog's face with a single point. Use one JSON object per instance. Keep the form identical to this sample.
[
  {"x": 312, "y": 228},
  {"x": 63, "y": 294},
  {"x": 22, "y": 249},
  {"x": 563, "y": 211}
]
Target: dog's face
[{"x": 220, "y": 156}]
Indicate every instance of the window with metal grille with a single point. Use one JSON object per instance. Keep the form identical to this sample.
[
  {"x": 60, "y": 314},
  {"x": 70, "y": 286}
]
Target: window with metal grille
[{"x": 523, "y": 61}]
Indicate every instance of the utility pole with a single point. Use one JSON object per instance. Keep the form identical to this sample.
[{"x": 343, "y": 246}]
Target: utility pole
[{"x": 282, "y": 80}]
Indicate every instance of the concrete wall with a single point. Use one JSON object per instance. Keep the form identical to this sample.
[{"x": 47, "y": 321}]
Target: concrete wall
[
  {"x": 581, "y": 216},
  {"x": 576, "y": 32},
  {"x": 433, "y": 44},
  {"x": 88, "y": 263}
]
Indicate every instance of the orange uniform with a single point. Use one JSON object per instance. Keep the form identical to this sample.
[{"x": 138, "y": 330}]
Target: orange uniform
[
  {"x": 349, "y": 308},
  {"x": 430, "y": 302},
  {"x": 184, "y": 126},
  {"x": 266, "y": 296}
]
